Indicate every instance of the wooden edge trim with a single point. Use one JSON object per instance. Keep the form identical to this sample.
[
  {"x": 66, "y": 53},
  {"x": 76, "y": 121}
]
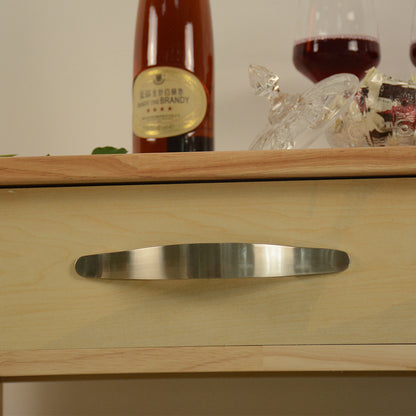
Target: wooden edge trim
[
  {"x": 207, "y": 166},
  {"x": 227, "y": 359}
]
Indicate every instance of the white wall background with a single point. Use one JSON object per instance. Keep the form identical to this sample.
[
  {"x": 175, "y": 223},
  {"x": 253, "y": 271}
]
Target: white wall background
[
  {"x": 65, "y": 88},
  {"x": 66, "y": 67}
]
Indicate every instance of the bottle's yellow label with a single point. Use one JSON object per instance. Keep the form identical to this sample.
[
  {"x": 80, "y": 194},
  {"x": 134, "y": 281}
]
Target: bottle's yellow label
[{"x": 167, "y": 102}]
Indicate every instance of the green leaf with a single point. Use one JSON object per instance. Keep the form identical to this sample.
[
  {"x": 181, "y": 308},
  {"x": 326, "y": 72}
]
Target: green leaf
[
  {"x": 8, "y": 155},
  {"x": 108, "y": 150}
]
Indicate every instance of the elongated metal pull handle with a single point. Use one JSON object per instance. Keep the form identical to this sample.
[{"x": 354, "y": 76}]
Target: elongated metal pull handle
[{"x": 211, "y": 260}]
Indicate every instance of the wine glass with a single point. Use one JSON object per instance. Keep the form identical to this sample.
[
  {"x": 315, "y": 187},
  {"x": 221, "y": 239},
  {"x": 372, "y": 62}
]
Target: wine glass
[
  {"x": 413, "y": 37},
  {"x": 336, "y": 36}
]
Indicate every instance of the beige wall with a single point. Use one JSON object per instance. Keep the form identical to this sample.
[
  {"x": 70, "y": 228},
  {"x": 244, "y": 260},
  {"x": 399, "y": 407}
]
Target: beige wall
[
  {"x": 285, "y": 395},
  {"x": 65, "y": 82}
]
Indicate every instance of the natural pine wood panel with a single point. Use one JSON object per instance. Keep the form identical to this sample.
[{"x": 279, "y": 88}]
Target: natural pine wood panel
[
  {"x": 191, "y": 360},
  {"x": 44, "y": 305},
  {"x": 208, "y": 166}
]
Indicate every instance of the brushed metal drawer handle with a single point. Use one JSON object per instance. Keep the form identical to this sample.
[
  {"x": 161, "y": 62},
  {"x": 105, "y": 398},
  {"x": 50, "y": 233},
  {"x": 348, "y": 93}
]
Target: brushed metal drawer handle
[{"x": 212, "y": 261}]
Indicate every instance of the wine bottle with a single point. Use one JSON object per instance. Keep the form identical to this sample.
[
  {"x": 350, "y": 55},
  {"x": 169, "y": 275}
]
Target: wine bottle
[{"x": 173, "y": 85}]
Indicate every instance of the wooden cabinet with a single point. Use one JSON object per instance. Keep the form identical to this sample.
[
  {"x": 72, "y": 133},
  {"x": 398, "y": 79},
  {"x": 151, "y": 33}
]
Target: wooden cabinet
[{"x": 54, "y": 210}]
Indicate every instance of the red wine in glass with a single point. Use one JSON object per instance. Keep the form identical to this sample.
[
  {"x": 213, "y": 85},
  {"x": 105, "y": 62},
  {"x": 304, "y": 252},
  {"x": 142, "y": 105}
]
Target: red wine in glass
[
  {"x": 413, "y": 53},
  {"x": 320, "y": 57},
  {"x": 413, "y": 37}
]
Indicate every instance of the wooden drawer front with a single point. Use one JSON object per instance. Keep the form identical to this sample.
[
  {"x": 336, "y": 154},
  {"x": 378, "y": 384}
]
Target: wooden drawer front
[{"x": 45, "y": 305}]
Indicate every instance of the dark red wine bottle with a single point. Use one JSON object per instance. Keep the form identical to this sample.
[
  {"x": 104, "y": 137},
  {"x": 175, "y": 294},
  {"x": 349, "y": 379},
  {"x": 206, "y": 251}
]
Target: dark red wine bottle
[
  {"x": 173, "y": 88},
  {"x": 320, "y": 57}
]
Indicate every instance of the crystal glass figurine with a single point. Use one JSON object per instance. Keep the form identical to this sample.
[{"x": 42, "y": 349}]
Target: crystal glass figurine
[
  {"x": 382, "y": 113},
  {"x": 296, "y": 121}
]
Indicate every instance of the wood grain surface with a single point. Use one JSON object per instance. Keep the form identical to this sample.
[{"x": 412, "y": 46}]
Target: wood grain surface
[
  {"x": 207, "y": 166},
  {"x": 221, "y": 359},
  {"x": 45, "y": 305}
]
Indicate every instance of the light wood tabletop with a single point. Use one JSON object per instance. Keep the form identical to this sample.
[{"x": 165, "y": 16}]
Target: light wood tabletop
[{"x": 207, "y": 166}]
